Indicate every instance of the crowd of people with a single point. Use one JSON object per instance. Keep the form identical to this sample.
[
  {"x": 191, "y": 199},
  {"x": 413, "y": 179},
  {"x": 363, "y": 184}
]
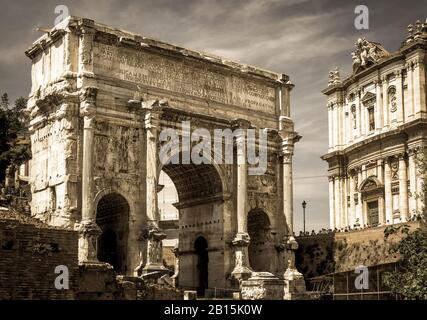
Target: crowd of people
[{"x": 358, "y": 226}]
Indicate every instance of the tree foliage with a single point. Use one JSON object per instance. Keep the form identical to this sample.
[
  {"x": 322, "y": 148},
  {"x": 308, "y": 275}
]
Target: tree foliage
[
  {"x": 13, "y": 123},
  {"x": 410, "y": 280}
]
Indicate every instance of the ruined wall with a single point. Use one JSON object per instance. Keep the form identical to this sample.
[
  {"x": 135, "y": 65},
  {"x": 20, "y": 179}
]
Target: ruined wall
[
  {"x": 29, "y": 253},
  {"x": 340, "y": 252}
]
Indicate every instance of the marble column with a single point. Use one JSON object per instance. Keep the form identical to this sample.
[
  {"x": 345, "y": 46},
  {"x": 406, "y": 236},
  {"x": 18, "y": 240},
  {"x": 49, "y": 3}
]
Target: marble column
[
  {"x": 386, "y": 114},
  {"x": 413, "y": 209},
  {"x": 419, "y": 79},
  {"x": 420, "y": 181},
  {"x": 330, "y": 127},
  {"x": 387, "y": 192},
  {"x": 359, "y": 115},
  {"x": 352, "y": 210},
  {"x": 241, "y": 241},
  {"x": 399, "y": 96},
  {"x": 88, "y": 229},
  {"x": 403, "y": 188},
  {"x": 378, "y": 107},
  {"x": 409, "y": 72},
  {"x": 359, "y": 200},
  {"x": 332, "y": 224},
  {"x": 337, "y": 198},
  {"x": 336, "y": 125},
  {"x": 344, "y": 206},
  {"x": 154, "y": 262},
  {"x": 381, "y": 200}
]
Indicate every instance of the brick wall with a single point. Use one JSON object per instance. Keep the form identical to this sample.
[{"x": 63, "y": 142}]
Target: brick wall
[{"x": 29, "y": 253}]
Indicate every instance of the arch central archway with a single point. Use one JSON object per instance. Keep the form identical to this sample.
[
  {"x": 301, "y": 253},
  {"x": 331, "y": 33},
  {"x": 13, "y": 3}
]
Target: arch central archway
[
  {"x": 112, "y": 216},
  {"x": 201, "y": 218}
]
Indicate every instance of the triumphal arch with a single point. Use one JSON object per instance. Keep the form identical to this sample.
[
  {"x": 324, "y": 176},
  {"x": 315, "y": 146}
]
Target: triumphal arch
[{"x": 101, "y": 102}]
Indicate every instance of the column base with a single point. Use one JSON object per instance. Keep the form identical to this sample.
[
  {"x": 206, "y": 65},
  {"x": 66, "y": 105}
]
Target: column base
[
  {"x": 89, "y": 233},
  {"x": 262, "y": 286},
  {"x": 241, "y": 271}
]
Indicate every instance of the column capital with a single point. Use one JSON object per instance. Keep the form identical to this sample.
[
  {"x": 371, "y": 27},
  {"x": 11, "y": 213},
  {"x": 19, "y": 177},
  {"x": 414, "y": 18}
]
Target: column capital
[
  {"x": 88, "y": 97},
  {"x": 241, "y": 124},
  {"x": 153, "y": 110},
  {"x": 242, "y": 239},
  {"x": 401, "y": 155}
]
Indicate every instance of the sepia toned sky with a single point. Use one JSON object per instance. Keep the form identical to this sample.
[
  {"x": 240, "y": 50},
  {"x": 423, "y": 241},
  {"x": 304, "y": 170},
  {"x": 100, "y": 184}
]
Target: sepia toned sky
[{"x": 304, "y": 39}]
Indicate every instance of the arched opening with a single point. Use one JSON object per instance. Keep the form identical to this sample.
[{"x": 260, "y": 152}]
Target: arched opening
[
  {"x": 201, "y": 248},
  {"x": 260, "y": 245},
  {"x": 166, "y": 198},
  {"x": 112, "y": 216},
  {"x": 201, "y": 211}
]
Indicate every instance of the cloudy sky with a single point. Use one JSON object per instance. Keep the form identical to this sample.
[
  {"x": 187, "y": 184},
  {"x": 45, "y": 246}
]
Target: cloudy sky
[{"x": 304, "y": 39}]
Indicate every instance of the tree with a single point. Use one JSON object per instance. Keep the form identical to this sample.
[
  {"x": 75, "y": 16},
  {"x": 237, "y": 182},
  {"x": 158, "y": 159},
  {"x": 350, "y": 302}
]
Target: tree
[
  {"x": 410, "y": 280},
  {"x": 13, "y": 124}
]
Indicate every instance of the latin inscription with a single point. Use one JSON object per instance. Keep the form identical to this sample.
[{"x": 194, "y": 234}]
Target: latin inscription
[{"x": 181, "y": 76}]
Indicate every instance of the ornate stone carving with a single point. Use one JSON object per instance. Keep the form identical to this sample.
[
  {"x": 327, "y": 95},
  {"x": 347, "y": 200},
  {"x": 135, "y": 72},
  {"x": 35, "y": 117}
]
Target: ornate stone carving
[
  {"x": 366, "y": 54},
  {"x": 353, "y": 115},
  {"x": 391, "y": 92},
  {"x": 334, "y": 77}
]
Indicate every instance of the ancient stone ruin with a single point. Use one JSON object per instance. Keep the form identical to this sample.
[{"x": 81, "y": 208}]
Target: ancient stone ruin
[{"x": 99, "y": 102}]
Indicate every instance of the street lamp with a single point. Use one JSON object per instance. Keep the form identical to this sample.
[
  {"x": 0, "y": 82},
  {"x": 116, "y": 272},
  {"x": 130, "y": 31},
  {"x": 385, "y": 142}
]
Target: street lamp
[{"x": 304, "y": 204}]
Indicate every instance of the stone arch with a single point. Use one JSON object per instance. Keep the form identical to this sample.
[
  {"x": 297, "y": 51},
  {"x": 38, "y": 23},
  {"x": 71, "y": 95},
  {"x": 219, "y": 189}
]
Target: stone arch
[
  {"x": 220, "y": 168},
  {"x": 201, "y": 197},
  {"x": 112, "y": 216},
  {"x": 261, "y": 244}
]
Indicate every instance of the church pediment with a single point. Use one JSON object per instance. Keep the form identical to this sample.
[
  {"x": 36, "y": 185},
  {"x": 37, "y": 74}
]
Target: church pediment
[{"x": 369, "y": 97}]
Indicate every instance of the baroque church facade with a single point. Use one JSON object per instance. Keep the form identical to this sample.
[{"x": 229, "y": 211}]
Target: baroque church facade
[{"x": 377, "y": 121}]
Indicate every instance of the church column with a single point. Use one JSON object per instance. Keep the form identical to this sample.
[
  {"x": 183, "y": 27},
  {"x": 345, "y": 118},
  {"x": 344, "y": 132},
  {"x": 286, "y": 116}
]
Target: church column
[
  {"x": 359, "y": 198},
  {"x": 419, "y": 86},
  {"x": 387, "y": 192},
  {"x": 337, "y": 199},
  {"x": 378, "y": 107},
  {"x": 336, "y": 125},
  {"x": 352, "y": 209},
  {"x": 332, "y": 224},
  {"x": 359, "y": 114},
  {"x": 386, "y": 113},
  {"x": 381, "y": 201},
  {"x": 241, "y": 241},
  {"x": 154, "y": 262},
  {"x": 330, "y": 127},
  {"x": 412, "y": 182},
  {"x": 89, "y": 230},
  {"x": 409, "y": 72},
  {"x": 344, "y": 206},
  {"x": 399, "y": 96},
  {"x": 420, "y": 180},
  {"x": 403, "y": 188}
]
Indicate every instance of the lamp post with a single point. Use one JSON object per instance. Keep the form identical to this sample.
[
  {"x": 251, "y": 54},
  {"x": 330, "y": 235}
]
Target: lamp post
[{"x": 304, "y": 204}]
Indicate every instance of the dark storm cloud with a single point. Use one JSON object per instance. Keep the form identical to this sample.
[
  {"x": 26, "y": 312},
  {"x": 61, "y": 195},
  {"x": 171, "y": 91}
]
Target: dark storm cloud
[{"x": 304, "y": 39}]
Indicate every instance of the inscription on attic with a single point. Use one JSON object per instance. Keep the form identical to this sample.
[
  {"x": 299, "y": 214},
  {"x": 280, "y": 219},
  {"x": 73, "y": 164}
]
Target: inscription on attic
[{"x": 182, "y": 76}]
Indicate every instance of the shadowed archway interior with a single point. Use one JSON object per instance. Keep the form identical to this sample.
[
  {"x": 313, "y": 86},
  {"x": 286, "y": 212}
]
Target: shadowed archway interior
[
  {"x": 112, "y": 216},
  {"x": 260, "y": 245}
]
